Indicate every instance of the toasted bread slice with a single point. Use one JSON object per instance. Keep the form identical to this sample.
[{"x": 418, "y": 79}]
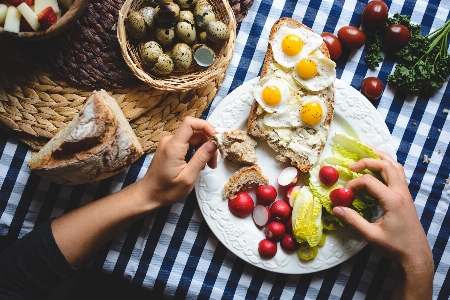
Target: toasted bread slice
[
  {"x": 302, "y": 159},
  {"x": 244, "y": 178}
]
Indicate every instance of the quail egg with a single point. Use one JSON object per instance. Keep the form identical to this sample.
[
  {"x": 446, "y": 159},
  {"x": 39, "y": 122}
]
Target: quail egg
[
  {"x": 167, "y": 12},
  {"x": 186, "y": 32},
  {"x": 186, "y": 3},
  {"x": 165, "y": 35},
  {"x": 150, "y": 53},
  {"x": 164, "y": 65},
  {"x": 152, "y": 3},
  {"x": 202, "y": 38},
  {"x": 217, "y": 31},
  {"x": 186, "y": 16},
  {"x": 203, "y": 55},
  {"x": 135, "y": 25},
  {"x": 203, "y": 13},
  {"x": 149, "y": 14},
  {"x": 182, "y": 56}
]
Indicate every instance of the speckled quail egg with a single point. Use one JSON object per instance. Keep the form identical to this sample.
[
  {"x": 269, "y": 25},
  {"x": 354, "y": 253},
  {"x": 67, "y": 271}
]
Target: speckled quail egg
[
  {"x": 203, "y": 13},
  {"x": 203, "y": 55},
  {"x": 167, "y": 12},
  {"x": 165, "y": 35},
  {"x": 149, "y": 15},
  {"x": 217, "y": 31},
  {"x": 135, "y": 25},
  {"x": 186, "y": 3},
  {"x": 186, "y": 16},
  {"x": 202, "y": 38},
  {"x": 186, "y": 32},
  {"x": 181, "y": 56},
  {"x": 164, "y": 65},
  {"x": 150, "y": 53}
]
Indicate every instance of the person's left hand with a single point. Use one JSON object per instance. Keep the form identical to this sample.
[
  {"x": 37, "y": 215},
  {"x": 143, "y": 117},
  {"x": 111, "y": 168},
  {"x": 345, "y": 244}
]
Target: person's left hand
[{"x": 170, "y": 178}]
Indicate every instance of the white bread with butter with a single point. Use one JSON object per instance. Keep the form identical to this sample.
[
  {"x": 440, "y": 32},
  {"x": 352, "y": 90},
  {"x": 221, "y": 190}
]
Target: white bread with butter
[
  {"x": 255, "y": 126},
  {"x": 96, "y": 144}
]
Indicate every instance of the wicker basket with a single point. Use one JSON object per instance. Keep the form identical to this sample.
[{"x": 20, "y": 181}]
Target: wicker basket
[{"x": 179, "y": 81}]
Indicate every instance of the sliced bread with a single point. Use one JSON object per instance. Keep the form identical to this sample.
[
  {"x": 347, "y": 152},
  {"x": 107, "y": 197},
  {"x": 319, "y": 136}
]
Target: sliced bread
[
  {"x": 244, "y": 178},
  {"x": 236, "y": 146}
]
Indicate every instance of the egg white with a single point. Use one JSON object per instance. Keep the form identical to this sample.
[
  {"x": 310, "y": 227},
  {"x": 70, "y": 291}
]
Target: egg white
[
  {"x": 324, "y": 77},
  {"x": 286, "y": 93},
  {"x": 311, "y": 41}
]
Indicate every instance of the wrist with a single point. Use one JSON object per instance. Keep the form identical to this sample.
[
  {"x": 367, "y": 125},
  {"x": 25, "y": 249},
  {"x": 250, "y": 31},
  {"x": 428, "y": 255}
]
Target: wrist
[{"x": 143, "y": 195}]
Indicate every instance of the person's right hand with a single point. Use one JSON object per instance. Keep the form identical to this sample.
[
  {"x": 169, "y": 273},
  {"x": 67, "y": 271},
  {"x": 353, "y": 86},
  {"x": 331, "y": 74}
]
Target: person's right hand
[{"x": 398, "y": 234}]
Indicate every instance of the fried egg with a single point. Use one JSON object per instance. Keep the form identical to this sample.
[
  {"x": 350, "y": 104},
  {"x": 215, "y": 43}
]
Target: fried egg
[
  {"x": 289, "y": 45},
  {"x": 273, "y": 94},
  {"x": 313, "y": 111},
  {"x": 314, "y": 73}
]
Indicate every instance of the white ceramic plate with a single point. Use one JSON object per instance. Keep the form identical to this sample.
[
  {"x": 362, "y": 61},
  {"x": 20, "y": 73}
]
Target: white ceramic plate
[{"x": 353, "y": 115}]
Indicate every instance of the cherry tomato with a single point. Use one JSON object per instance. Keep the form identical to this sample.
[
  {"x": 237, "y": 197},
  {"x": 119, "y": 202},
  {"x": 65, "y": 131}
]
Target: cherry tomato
[
  {"x": 333, "y": 45},
  {"x": 372, "y": 88},
  {"x": 374, "y": 15},
  {"x": 351, "y": 37},
  {"x": 397, "y": 35}
]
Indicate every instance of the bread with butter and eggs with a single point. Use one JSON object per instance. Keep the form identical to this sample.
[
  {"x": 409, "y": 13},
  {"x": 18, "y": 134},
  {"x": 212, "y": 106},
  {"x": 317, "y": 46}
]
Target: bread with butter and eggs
[{"x": 294, "y": 119}]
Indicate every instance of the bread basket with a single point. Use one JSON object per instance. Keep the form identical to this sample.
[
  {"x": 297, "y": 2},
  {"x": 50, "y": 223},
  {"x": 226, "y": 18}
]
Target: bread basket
[{"x": 179, "y": 81}]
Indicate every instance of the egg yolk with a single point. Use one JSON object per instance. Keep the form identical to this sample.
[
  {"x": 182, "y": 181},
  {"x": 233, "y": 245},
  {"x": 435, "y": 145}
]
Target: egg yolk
[
  {"x": 311, "y": 113},
  {"x": 271, "y": 95},
  {"x": 306, "y": 68},
  {"x": 292, "y": 44}
]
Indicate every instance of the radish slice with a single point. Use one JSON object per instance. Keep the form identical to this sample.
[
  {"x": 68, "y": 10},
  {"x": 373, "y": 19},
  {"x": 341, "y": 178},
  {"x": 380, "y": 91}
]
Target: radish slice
[
  {"x": 288, "y": 177},
  {"x": 292, "y": 193},
  {"x": 261, "y": 215}
]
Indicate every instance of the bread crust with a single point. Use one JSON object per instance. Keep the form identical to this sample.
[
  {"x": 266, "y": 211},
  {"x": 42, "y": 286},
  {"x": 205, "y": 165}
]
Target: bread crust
[
  {"x": 253, "y": 127},
  {"x": 244, "y": 178}
]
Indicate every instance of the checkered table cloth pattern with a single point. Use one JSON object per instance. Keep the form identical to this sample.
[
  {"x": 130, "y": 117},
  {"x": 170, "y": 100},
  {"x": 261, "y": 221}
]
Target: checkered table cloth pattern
[{"x": 174, "y": 254}]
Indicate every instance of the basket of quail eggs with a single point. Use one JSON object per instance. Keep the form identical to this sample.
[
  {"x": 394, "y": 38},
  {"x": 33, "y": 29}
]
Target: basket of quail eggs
[{"x": 177, "y": 45}]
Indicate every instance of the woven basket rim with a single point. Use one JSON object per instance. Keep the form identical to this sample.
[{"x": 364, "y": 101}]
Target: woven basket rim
[{"x": 179, "y": 82}]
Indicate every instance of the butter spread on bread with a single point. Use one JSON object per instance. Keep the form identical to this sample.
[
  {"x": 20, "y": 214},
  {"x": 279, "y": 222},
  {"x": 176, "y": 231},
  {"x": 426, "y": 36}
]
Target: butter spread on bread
[
  {"x": 294, "y": 99},
  {"x": 236, "y": 146},
  {"x": 96, "y": 144}
]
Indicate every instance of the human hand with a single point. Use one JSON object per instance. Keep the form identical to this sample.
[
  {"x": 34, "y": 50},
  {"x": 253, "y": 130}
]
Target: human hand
[
  {"x": 170, "y": 178},
  {"x": 398, "y": 234}
]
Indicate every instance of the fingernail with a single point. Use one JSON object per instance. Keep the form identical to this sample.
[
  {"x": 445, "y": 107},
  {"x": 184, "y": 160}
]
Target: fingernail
[
  {"x": 210, "y": 148},
  {"x": 339, "y": 212}
]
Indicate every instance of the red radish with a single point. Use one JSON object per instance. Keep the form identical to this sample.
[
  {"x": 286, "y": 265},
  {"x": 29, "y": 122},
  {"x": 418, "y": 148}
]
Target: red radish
[
  {"x": 288, "y": 177},
  {"x": 242, "y": 205},
  {"x": 289, "y": 243},
  {"x": 342, "y": 197},
  {"x": 328, "y": 175},
  {"x": 267, "y": 249},
  {"x": 288, "y": 225},
  {"x": 290, "y": 194},
  {"x": 261, "y": 215},
  {"x": 280, "y": 210},
  {"x": 266, "y": 194},
  {"x": 275, "y": 231}
]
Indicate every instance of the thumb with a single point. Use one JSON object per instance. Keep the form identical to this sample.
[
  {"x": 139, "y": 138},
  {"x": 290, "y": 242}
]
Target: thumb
[
  {"x": 200, "y": 158},
  {"x": 353, "y": 219}
]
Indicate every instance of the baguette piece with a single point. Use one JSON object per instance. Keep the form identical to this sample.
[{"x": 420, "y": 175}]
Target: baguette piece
[
  {"x": 309, "y": 144},
  {"x": 244, "y": 178},
  {"x": 236, "y": 146},
  {"x": 96, "y": 144}
]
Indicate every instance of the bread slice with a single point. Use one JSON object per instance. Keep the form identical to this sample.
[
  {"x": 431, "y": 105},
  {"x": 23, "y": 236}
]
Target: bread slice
[
  {"x": 244, "y": 178},
  {"x": 256, "y": 128},
  {"x": 236, "y": 146},
  {"x": 96, "y": 144}
]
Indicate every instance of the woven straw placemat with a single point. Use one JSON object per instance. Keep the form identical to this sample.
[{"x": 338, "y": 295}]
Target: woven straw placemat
[{"x": 38, "y": 98}]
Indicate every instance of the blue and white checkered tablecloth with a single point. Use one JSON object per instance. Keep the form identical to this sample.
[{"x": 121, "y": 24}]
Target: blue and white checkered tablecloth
[{"x": 173, "y": 252}]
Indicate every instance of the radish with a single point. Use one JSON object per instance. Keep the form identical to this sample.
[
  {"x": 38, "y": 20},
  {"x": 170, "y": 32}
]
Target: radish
[
  {"x": 242, "y": 205},
  {"x": 288, "y": 225},
  {"x": 267, "y": 249},
  {"x": 288, "y": 177},
  {"x": 266, "y": 194},
  {"x": 261, "y": 215},
  {"x": 328, "y": 175},
  {"x": 275, "y": 231},
  {"x": 292, "y": 193},
  {"x": 342, "y": 197},
  {"x": 289, "y": 243},
  {"x": 280, "y": 210}
]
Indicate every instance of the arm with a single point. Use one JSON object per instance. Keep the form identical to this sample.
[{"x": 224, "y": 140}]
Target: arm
[
  {"x": 398, "y": 234},
  {"x": 169, "y": 179}
]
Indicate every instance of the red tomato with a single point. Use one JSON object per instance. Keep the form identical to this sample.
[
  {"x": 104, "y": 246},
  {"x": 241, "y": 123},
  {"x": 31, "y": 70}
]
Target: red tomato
[
  {"x": 372, "y": 88},
  {"x": 351, "y": 37},
  {"x": 333, "y": 45},
  {"x": 374, "y": 15},
  {"x": 397, "y": 35}
]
